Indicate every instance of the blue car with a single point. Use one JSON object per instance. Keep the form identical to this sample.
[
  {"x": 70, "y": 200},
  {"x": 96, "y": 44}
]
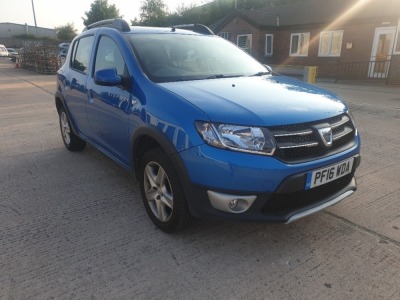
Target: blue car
[{"x": 208, "y": 131}]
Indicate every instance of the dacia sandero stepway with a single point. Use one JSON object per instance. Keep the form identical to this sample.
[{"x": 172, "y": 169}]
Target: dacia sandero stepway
[{"x": 207, "y": 130}]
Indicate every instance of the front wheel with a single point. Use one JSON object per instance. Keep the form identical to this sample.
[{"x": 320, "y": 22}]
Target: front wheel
[
  {"x": 162, "y": 192},
  {"x": 71, "y": 141}
]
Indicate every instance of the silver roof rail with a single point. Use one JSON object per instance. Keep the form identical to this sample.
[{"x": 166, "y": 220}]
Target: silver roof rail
[
  {"x": 118, "y": 24},
  {"x": 199, "y": 28}
]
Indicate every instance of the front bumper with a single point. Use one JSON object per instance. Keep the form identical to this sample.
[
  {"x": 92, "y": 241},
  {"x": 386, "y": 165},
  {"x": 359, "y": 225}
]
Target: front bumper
[
  {"x": 262, "y": 189},
  {"x": 288, "y": 203}
]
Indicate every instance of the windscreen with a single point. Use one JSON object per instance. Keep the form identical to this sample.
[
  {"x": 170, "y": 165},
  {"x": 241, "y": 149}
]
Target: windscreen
[{"x": 181, "y": 57}]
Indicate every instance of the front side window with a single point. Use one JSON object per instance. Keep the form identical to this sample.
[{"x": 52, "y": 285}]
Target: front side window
[
  {"x": 109, "y": 56},
  {"x": 269, "y": 44},
  {"x": 81, "y": 53},
  {"x": 330, "y": 43},
  {"x": 245, "y": 42},
  {"x": 299, "y": 44}
]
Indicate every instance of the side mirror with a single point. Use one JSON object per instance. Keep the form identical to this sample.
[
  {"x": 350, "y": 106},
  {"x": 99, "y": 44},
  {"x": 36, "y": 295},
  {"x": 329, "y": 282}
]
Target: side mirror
[{"x": 107, "y": 77}]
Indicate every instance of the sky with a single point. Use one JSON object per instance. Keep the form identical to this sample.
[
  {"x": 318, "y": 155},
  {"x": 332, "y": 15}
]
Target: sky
[{"x": 54, "y": 13}]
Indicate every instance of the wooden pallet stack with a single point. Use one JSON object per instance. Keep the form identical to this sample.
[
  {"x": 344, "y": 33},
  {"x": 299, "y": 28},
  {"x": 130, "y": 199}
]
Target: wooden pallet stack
[{"x": 40, "y": 58}]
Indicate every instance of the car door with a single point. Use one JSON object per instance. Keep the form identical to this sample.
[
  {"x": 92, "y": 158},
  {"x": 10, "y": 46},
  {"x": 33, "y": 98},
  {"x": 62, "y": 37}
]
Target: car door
[
  {"x": 76, "y": 89},
  {"x": 107, "y": 106}
]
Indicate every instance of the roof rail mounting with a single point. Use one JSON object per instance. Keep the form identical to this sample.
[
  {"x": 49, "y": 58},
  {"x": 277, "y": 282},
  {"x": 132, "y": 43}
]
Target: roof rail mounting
[
  {"x": 199, "y": 28},
  {"x": 118, "y": 24}
]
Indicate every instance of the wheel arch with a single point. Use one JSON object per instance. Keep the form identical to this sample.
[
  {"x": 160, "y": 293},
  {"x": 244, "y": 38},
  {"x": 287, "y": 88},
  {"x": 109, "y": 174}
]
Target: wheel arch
[
  {"x": 60, "y": 103},
  {"x": 148, "y": 137}
]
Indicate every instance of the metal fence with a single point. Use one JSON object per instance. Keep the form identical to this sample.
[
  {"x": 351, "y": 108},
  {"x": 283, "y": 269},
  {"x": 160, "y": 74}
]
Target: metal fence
[{"x": 365, "y": 70}]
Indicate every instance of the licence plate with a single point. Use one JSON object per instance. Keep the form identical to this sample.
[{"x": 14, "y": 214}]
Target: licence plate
[{"x": 328, "y": 174}]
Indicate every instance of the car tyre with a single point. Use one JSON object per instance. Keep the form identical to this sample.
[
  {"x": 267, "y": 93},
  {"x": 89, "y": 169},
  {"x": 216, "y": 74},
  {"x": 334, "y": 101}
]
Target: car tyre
[
  {"x": 162, "y": 193},
  {"x": 71, "y": 141}
]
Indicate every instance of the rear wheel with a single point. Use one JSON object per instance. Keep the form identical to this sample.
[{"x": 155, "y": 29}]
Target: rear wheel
[
  {"x": 71, "y": 141},
  {"x": 162, "y": 192}
]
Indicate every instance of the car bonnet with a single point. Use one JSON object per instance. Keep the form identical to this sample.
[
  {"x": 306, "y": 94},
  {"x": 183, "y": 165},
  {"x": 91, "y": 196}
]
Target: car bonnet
[{"x": 263, "y": 100}]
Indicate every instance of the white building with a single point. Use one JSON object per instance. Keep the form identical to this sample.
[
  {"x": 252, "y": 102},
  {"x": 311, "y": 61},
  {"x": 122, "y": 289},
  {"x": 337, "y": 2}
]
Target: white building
[{"x": 11, "y": 30}]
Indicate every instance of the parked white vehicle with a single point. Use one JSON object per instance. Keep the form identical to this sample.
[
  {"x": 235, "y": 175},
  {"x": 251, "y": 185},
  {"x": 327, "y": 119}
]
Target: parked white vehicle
[{"x": 3, "y": 51}]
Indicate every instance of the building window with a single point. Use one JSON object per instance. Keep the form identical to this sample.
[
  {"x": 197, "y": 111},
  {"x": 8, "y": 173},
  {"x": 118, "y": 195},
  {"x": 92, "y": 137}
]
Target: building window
[
  {"x": 330, "y": 43},
  {"x": 225, "y": 35},
  {"x": 269, "y": 44},
  {"x": 397, "y": 41},
  {"x": 299, "y": 44},
  {"x": 245, "y": 41}
]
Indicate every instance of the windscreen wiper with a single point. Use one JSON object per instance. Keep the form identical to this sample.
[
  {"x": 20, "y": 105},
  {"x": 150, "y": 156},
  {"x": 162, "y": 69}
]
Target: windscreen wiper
[
  {"x": 216, "y": 76},
  {"x": 261, "y": 73}
]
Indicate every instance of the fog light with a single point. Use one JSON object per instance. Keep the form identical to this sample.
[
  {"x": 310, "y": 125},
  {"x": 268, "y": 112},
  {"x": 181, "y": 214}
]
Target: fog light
[{"x": 233, "y": 203}]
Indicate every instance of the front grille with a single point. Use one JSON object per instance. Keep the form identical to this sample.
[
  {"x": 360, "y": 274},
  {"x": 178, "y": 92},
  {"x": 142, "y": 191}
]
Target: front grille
[
  {"x": 300, "y": 142},
  {"x": 281, "y": 204}
]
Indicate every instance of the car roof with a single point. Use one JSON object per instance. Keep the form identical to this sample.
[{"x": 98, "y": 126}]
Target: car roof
[
  {"x": 159, "y": 30},
  {"x": 122, "y": 26}
]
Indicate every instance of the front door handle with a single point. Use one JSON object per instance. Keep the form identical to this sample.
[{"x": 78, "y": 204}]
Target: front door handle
[{"x": 90, "y": 95}]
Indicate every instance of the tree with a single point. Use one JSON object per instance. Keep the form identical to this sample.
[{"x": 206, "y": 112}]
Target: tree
[
  {"x": 100, "y": 10},
  {"x": 252, "y": 4},
  {"x": 208, "y": 13},
  {"x": 179, "y": 16},
  {"x": 66, "y": 32},
  {"x": 152, "y": 13},
  {"x": 155, "y": 13}
]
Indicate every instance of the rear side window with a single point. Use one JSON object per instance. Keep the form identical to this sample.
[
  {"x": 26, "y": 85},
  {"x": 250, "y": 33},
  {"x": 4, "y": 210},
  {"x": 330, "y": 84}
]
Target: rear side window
[{"x": 81, "y": 53}]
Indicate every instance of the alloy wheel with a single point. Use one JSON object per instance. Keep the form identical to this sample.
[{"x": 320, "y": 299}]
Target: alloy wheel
[
  {"x": 158, "y": 191},
  {"x": 65, "y": 130}
]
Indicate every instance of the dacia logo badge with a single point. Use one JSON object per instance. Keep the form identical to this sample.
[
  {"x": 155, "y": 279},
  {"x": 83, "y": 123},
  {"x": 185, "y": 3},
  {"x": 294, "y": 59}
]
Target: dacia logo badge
[{"x": 326, "y": 136}]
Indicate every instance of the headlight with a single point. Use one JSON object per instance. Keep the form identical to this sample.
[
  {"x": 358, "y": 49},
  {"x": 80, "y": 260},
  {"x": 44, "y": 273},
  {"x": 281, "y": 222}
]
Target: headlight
[
  {"x": 349, "y": 113},
  {"x": 239, "y": 138}
]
